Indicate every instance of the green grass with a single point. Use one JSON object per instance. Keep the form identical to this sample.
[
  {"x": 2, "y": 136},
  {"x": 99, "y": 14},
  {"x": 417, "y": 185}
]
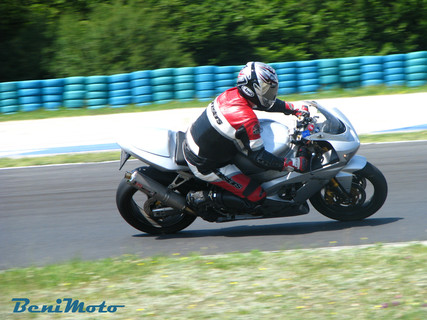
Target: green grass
[
  {"x": 376, "y": 282},
  {"x": 334, "y": 93},
  {"x": 390, "y": 137},
  {"x": 60, "y": 159}
]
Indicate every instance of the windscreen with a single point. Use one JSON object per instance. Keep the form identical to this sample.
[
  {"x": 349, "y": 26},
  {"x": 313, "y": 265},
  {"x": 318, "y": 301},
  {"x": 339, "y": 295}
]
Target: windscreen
[{"x": 332, "y": 124}]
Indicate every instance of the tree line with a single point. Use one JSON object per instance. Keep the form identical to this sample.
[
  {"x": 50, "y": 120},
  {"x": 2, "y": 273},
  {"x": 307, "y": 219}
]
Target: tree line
[{"x": 42, "y": 39}]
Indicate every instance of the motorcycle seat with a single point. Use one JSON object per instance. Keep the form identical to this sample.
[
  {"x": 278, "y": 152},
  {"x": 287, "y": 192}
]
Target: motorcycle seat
[{"x": 179, "y": 153}]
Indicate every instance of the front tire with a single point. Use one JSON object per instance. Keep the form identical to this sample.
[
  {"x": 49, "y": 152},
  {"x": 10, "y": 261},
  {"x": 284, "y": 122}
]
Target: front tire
[
  {"x": 135, "y": 207},
  {"x": 360, "y": 204}
]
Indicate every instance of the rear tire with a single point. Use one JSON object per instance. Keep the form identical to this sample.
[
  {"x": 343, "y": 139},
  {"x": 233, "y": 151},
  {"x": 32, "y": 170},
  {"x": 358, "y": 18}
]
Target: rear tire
[
  {"x": 359, "y": 206},
  {"x": 133, "y": 206}
]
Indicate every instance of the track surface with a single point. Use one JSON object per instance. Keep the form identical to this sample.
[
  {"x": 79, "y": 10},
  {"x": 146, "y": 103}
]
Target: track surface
[{"x": 57, "y": 213}]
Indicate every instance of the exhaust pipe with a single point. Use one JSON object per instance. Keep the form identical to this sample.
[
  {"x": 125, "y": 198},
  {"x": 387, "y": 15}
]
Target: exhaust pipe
[{"x": 157, "y": 191}]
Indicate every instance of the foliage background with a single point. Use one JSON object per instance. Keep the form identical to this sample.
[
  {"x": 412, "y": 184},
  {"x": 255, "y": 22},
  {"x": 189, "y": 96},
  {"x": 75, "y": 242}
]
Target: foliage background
[{"x": 58, "y": 38}]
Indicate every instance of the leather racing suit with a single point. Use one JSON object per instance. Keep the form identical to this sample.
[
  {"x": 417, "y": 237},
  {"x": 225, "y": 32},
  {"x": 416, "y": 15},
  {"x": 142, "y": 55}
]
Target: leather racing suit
[{"x": 227, "y": 126}]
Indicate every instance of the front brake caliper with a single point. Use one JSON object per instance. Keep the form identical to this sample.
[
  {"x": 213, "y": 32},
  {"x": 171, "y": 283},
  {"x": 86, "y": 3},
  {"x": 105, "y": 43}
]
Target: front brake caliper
[{"x": 332, "y": 192}]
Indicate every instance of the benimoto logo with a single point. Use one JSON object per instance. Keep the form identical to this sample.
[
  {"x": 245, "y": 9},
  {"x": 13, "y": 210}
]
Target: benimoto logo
[{"x": 70, "y": 306}]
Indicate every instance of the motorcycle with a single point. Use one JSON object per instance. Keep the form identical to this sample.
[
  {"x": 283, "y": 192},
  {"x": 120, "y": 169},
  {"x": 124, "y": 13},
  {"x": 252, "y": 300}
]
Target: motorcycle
[{"x": 338, "y": 183}]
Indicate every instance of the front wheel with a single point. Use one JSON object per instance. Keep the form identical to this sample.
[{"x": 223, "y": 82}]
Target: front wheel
[
  {"x": 367, "y": 195},
  {"x": 146, "y": 214}
]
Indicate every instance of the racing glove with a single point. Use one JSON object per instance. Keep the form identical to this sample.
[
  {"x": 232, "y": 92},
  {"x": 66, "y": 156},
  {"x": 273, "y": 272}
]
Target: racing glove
[
  {"x": 301, "y": 111},
  {"x": 298, "y": 164}
]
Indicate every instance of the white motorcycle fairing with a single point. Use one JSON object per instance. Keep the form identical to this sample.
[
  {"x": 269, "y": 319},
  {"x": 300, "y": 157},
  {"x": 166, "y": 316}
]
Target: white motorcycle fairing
[{"x": 156, "y": 147}]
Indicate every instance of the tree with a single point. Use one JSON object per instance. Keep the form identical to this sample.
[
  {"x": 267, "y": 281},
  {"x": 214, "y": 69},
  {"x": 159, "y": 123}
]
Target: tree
[{"x": 115, "y": 38}]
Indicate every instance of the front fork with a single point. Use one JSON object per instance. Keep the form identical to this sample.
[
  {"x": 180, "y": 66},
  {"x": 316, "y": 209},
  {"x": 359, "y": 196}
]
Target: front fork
[
  {"x": 341, "y": 188},
  {"x": 335, "y": 191}
]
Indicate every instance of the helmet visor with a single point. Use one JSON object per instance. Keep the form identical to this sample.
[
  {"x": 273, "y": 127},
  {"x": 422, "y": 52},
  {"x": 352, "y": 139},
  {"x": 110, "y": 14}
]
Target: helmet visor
[{"x": 268, "y": 94}]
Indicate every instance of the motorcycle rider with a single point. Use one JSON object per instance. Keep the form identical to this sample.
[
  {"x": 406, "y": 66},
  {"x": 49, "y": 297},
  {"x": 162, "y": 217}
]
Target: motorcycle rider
[{"x": 229, "y": 125}]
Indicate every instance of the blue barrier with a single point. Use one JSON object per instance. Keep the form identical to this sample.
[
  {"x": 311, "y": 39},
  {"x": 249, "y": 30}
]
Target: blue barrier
[
  {"x": 119, "y": 90},
  {"x": 30, "y": 95},
  {"x": 307, "y": 76},
  {"x": 9, "y": 97},
  {"x": 394, "y": 69},
  {"x": 416, "y": 68},
  {"x": 205, "y": 82},
  {"x": 74, "y": 92},
  {"x": 97, "y": 92},
  {"x": 329, "y": 73},
  {"x": 184, "y": 86},
  {"x": 141, "y": 89},
  {"x": 225, "y": 78},
  {"x": 162, "y": 85},
  {"x": 288, "y": 75},
  {"x": 52, "y": 92}
]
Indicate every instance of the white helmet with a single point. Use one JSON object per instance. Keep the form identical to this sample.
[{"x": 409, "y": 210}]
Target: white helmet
[{"x": 258, "y": 83}]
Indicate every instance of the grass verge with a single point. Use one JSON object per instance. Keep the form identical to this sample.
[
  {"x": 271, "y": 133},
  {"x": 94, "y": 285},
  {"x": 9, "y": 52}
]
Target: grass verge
[
  {"x": 376, "y": 282},
  {"x": 60, "y": 159},
  {"x": 392, "y": 137},
  {"x": 115, "y": 155}
]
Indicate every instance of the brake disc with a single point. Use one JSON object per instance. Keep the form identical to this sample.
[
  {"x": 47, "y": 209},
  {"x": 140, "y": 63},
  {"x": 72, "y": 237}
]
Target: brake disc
[{"x": 356, "y": 198}]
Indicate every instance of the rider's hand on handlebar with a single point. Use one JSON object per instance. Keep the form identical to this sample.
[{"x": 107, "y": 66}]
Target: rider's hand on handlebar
[
  {"x": 301, "y": 111},
  {"x": 298, "y": 164}
]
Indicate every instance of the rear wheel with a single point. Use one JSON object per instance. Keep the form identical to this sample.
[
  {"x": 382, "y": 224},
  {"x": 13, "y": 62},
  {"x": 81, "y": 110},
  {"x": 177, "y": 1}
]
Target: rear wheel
[
  {"x": 367, "y": 195},
  {"x": 145, "y": 213}
]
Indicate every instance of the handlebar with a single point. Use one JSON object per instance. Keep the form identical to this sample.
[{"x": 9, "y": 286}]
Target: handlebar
[
  {"x": 306, "y": 125},
  {"x": 304, "y": 120}
]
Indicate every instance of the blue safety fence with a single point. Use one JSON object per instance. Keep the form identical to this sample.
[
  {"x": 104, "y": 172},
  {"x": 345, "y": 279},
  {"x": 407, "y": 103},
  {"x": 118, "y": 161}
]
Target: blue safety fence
[
  {"x": 97, "y": 92},
  {"x": 205, "y": 82}
]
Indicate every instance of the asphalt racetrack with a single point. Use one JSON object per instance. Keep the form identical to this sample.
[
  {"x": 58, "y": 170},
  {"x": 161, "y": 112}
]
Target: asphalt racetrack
[{"x": 52, "y": 214}]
